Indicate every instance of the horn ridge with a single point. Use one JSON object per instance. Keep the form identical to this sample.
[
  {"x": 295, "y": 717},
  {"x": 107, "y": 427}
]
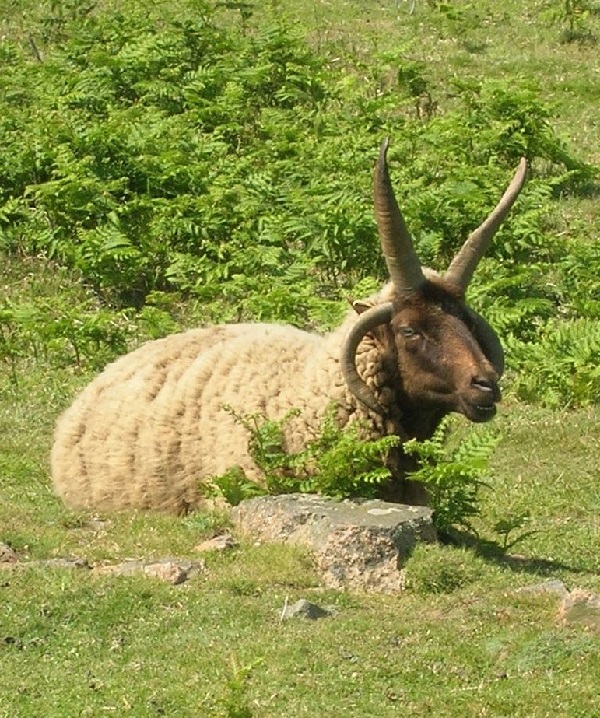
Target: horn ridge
[
  {"x": 488, "y": 340},
  {"x": 396, "y": 242},
  {"x": 462, "y": 267}
]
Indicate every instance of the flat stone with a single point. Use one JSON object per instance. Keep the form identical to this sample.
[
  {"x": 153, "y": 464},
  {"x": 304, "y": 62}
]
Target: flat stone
[
  {"x": 305, "y": 609},
  {"x": 553, "y": 586},
  {"x": 359, "y": 544},
  {"x": 580, "y": 607},
  {"x": 169, "y": 571},
  {"x": 223, "y": 542},
  {"x": 60, "y": 563},
  {"x": 174, "y": 571}
]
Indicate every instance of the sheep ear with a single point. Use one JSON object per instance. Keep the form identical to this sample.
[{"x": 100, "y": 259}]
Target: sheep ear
[{"x": 360, "y": 307}]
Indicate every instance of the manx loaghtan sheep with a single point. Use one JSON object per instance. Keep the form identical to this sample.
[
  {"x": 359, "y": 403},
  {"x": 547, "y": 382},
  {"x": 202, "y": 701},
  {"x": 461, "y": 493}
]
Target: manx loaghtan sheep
[{"x": 152, "y": 426}]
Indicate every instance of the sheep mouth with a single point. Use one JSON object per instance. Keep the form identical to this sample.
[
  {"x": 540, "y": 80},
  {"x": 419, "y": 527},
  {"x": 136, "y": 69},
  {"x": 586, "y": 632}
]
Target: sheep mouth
[{"x": 480, "y": 413}]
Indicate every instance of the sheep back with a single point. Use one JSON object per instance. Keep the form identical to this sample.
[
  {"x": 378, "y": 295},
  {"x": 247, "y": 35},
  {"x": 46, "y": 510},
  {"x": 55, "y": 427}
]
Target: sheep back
[{"x": 152, "y": 425}]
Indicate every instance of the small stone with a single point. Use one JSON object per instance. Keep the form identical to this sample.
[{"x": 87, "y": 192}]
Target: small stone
[
  {"x": 127, "y": 568},
  {"x": 305, "y": 609},
  {"x": 168, "y": 571},
  {"x": 7, "y": 554},
  {"x": 582, "y": 608},
  {"x": 61, "y": 563},
  {"x": 223, "y": 542},
  {"x": 553, "y": 586},
  {"x": 172, "y": 571}
]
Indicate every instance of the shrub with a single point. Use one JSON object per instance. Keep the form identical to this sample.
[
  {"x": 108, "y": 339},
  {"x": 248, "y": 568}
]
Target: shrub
[
  {"x": 171, "y": 153},
  {"x": 563, "y": 368},
  {"x": 340, "y": 463},
  {"x": 437, "y": 569}
]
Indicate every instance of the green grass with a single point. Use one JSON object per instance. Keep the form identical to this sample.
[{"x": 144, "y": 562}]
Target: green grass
[
  {"x": 460, "y": 641},
  {"x": 216, "y": 646}
]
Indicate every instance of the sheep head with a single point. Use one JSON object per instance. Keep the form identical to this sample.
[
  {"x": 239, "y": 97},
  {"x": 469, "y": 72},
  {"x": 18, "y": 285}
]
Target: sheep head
[{"x": 448, "y": 357}]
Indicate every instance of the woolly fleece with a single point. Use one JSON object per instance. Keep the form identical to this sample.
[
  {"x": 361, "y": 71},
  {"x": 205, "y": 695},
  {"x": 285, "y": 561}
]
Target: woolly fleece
[{"x": 152, "y": 426}]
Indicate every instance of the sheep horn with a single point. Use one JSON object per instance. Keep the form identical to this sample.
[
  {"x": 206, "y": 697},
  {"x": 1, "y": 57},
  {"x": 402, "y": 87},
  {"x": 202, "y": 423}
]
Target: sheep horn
[
  {"x": 465, "y": 262},
  {"x": 397, "y": 246},
  {"x": 487, "y": 340},
  {"x": 373, "y": 317}
]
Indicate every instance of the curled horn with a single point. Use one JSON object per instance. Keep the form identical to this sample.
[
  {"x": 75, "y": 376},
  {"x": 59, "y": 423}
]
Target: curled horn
[
  {"x": 465, "y": 262},
  {"x": 402, "y": 262},
  {"x": 488, "y": 341},
  {"x": 373, "y": 317}
]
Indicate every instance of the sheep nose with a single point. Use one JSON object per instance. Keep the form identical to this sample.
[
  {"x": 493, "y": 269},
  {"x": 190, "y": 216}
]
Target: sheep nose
[
  {"x": 486, "y": 387},
  {"x": 483, "y": 384}
]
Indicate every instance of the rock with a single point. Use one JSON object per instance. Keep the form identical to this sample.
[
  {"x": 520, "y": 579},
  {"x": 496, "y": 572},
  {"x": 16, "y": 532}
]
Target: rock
[
  {"x": 68, "y": 563},
  {"x": 577, "y": 607},
  {"x": 553, "y": 586},
  {"x": 223, "y": 542},
  {"x": 174, "y": 571},
  {"x": 171, "y": 570},
  {"x": 60, "y": 563},
  {"x": 582, "y": 608},
  {"x": 359, "y": 544},
  {"x": 168, "y": 571},
  {"x": 7, "y": 554},
  {"x": 305, "y": 609}
]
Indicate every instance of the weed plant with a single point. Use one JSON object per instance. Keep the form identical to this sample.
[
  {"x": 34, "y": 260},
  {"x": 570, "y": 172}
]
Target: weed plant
[
  {"x": 340, "y": 462},
  {"x": 337, "y": 462}
]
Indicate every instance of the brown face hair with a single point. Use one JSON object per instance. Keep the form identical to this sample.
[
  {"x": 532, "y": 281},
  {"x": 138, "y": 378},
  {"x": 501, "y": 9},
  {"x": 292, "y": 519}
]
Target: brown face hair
[
  {"x": 448, "y": 357},
  {"x": 439, "y": 362}
]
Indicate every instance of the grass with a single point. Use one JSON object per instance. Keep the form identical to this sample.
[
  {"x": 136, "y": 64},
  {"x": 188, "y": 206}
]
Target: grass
[
  {"x": 216, "y": 647},
  {"x": 460, "y": 642}
]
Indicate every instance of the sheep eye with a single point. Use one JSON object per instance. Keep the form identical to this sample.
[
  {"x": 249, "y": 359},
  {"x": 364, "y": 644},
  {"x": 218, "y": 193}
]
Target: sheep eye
[{"x": 408, "y": 332}]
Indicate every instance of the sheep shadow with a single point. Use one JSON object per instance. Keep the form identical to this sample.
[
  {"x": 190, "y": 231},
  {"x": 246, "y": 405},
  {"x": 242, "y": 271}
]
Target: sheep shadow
[{"x": 492, "y": 552}]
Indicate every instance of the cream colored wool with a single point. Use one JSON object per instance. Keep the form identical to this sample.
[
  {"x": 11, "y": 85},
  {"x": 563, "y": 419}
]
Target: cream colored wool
[{"x": 149, "y": 429}]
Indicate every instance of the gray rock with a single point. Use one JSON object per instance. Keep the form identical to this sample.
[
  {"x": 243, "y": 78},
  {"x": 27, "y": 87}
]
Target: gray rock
[
  {"x": 171, "y": 570},
  {"x": 223, "y": 542},
  {"x": 68, "y": 562},
  {"x": 61, "y": 563},
  {"x": 357, "y": 544},
  {"x": 305, "y": 609},
  {"x": 553, "y": 586},
  {"x": 580, "y": 607},
  {"x": 7, "y": 554}
]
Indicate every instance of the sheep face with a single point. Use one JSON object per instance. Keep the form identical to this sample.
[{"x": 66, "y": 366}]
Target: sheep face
[
  {"x": 448, "y": 357},
  {"x": 440, "y": 363}
]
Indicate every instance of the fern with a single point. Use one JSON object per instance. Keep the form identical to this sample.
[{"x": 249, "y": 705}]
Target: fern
[
  {"x": 343, "y": 463},
  {"x": 563, "y": 367},
  {"x": 233, "y": 486},
  {"x": 452, "y": 476},
  {"x": 338, "y": 462}
]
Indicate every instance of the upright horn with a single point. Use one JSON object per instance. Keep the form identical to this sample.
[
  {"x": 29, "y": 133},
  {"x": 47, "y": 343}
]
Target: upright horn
[
  {"x": 404, "y": 269},
  {"x": 402, "y": 262},
  {"x": 463, "y": 266}
]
